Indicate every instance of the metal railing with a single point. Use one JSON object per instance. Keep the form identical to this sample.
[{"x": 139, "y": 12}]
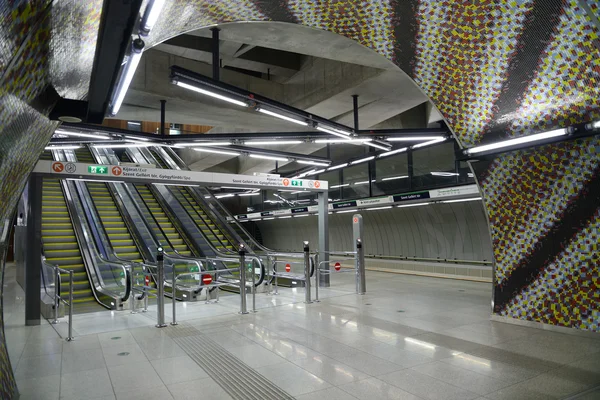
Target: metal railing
[{"x": 58, "y": 298}]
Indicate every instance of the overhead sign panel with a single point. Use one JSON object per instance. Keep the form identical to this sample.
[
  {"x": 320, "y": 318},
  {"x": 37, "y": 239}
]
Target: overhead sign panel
[{"x": 154, "y": 175}]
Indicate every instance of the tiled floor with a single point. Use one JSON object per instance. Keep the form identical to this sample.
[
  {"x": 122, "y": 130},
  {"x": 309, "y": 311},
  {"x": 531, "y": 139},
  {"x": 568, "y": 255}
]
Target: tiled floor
[{"x": 408, "y": 338}]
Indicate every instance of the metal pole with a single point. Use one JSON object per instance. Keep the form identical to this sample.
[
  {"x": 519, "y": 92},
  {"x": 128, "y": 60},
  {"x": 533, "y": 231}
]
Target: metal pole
[
  {"x": 132, "y": 295},
  {"x": 324, "y": 237},
  {"x": 56, "y": 294},
  {"x": 274, "y": 265},
  {"x": 215, "y": 53},
  {"x": 361, "y": 285},
  {"x": 160, "y": 286},
  {"x": 306, "y": 274},
  {"x": 173, "y": 293},
  {"x": 70, "y": 338},
  {"x": 33, "y": 261},
  {"x": 242, "y": 253},
  {"x": 253, "y": 288},
  {"x": 317, "y": 276},
  {"x": 163, "y": 112},
  {"x": 355, "y": 110}
]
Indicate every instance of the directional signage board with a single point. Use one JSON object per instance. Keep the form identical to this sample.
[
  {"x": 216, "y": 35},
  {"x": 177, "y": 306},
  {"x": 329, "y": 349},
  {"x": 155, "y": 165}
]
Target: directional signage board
[{"x": 155, "y": 175}]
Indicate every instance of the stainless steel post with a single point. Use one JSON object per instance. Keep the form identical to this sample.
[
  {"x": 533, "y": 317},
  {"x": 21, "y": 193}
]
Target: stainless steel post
[
  {"x": 242, "y": 253},
  {"x": 274, "y": 266},
  {"x": 70, "y": 338},
  {"x": 56, "y": 294},
  {"x": 361, "y": 284},
  {"x": 132, "y": 295},
  {"x": 145, "y": 299},
  {"x": 160, "y": 292},
  {"x": 173, "y": 294},
  {"x": 317, "y": 279},
  {"x": 306, "y": 274},
  {"x": 253, "y": 287}
]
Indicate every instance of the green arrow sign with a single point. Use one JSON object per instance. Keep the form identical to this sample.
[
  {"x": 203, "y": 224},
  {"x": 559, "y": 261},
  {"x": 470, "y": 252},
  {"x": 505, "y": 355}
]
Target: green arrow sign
[
  {"x": 296, "y": 183},
  {"x": 98, "y": 169}
]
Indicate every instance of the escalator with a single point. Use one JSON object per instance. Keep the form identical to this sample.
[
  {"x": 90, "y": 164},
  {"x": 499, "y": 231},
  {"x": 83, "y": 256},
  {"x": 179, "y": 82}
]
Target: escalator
[{"x": 112, "y": 220}]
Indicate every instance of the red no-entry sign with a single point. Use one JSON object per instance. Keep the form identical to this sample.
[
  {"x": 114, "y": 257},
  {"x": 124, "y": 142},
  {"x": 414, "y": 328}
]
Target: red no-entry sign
[
  {"x": 288, "y": 267},
  {"x": 207, "y": 279},
  {"x": 337, "y": 266}
]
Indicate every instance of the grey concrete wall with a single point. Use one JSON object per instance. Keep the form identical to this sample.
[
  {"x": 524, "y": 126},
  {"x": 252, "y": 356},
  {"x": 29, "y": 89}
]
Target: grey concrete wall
[{"x": 448, "y": 231}]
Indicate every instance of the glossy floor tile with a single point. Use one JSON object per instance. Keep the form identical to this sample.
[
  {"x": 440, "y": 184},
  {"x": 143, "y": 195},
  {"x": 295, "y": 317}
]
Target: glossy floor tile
[{"x": 407, "y": 338}]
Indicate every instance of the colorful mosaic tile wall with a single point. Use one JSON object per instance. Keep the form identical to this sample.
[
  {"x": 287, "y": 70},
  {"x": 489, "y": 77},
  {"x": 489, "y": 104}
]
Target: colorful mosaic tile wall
[{"x": 494, "y": 68}]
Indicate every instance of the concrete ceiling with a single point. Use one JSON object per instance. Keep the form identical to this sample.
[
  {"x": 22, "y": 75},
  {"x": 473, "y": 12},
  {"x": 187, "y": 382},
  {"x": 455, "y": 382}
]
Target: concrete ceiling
[{"x": 310, "y": 69}]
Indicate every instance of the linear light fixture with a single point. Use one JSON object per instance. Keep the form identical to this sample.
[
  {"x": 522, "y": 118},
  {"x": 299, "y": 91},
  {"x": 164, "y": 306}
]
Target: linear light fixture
[
  {"x": 429, "y": 143},
  {"x": 593, "y": 125},
  {"x": 318, "y": 172},
  {"x": 271, "y": 142},
  {"x": 222, "y": 196},
  {"x": 470, "y": 175},
  {"x": 517, "y": 141},
  {"x": 226, "y": 153},
  {"x": 65, "y": 147},
  {"x": 316, "y": 163},
  {"x": 150, "y": 17},
  {"x": 339, "y": 186},
  {"x": 131, "y": 145},
  {"x": 306, "y": 173},
  {"x": 378, "y": 208},
  {"x": 362, "y": 160},
  {"x": 281, "y": 116},
  {"x": 332, "y": 132},
  {"x": 391, "y": 153},
  {"x": 198, "y": 144},
  {"x": 364, "y": 182},
  {"x": 137, "y": 48},
  {"x": 413, "y": 205},
  {"x": 413, "y": 138},
  {"x": 377, "y": 145},
  {"x": 211, "y": 94},
  {"x": 347, "y": 141},
  {"x": 300, "y": 216},
  {"x": 289, "y": 216},
  {"x": 262, "y": 156},
  {"x": 337, "y": 166},
  {"x": 137, "y": 138},
  {"x": 249, "y": 194},
  {"x": 448, "y": 174},
  {"x": 393, "y": 178},
  {"x": 461, "y": 200},
  {"x": 266, "y": 219},
  {"x": 77, "y": 134},
  {"x": 347, "y": 211}
]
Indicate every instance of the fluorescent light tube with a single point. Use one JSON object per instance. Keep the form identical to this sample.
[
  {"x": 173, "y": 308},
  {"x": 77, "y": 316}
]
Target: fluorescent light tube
[
  {"x": 470, "y": 175},
  {"x": 289, "y": 216},
  {"x": 66, "y": 147},
  {"x": 211, "y": 94},
  {"x": 362, "y": 160},
  {"x": 363, "y": 182},
  {"x": 377, "y": 145},
  {"x": 596, "y": 125},
  {"x": 227, "y": 153},
  {"x": 332, "y": 132},
  {"x": 236, "y": 187},
  {"x": 199, "y": 144},
  {"x": 347, "y": 141},
  {"x": 284, "y": 117},
  {"x": 393, "y": 178},
  {"x": 222, "y": 196},
  {"x": 300, "y": 216},
  {"x": 417, "y": 146},
  {"x": 268, "y": 157},
  {"x": 413, "y": 138},
  {"x": 413, "y": 205},
  {"x": 391, "y": 153},
  {"x": 121, "y": 145},
  {"x": 347, "y": 211},
  {"x": 378, "y": 208},
  {"x": 519, "y": 140},
  {"x": 150, "y": 17},
  {"x": 134, "y": 123},
  {"x": 317, "y": 172},
  {"x": 461, "y": 200},
  {"x": 137, "y": 48},
  {"x": 337, "y": 166},
  {"x": 339, "y": 186},
  {"x": 444, "y": 174},
  {"x": 266, "y": 219},
  {"x": 271, "y": 142},
  {"x": 317, "y": 163},
  {"x": 77, "y": 134}
]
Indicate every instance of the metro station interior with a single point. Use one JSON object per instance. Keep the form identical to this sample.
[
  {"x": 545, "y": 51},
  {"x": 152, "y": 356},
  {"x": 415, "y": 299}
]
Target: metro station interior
[{"x": 245, "y": 199}]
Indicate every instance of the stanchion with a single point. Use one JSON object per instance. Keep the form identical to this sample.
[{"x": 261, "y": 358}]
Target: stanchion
[
  {"x": 160, "y": 286},
  {"x": 242, "y": 253},
  {"x": 57, "y": 285},
  {"x": 132, "y": 295},
  {"x": 70, "y": 338},
  {"x": 361, "y": 284},
  {"x": 253, "y": 287},
  {"x": 307, "y": 274},
  {"x": 173, "y": 293}
]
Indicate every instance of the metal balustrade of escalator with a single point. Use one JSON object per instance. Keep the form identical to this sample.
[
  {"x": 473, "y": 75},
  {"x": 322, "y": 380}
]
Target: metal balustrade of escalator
[
  {"x": 59, "y": 243},
  {"x": 211, "y": 231},
  {"x": 112, "y": 220}
]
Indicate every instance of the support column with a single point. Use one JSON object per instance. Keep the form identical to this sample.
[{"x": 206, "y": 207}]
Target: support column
[
  {"x": 355, "y": 110},
  {"x": 323, "y": 215},
  {"x": 163, "y": 111},
  {"x": 33, "y": 261},
  {"x": 215, "y": 53},
  {"x": 409, "y": 160}
]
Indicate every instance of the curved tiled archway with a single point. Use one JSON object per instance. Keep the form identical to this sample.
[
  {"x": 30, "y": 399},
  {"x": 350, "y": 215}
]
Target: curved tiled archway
[{"x": 493, "y": 68}]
